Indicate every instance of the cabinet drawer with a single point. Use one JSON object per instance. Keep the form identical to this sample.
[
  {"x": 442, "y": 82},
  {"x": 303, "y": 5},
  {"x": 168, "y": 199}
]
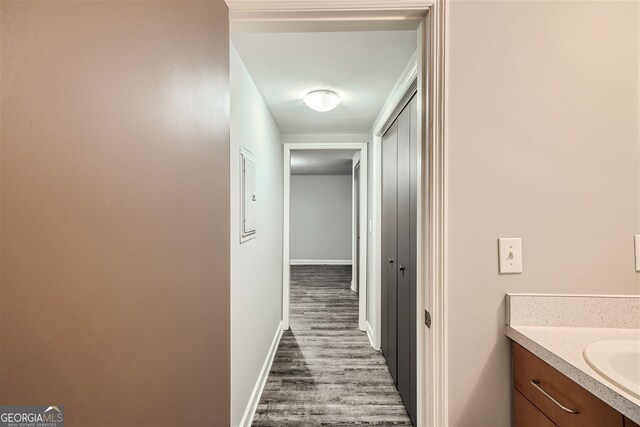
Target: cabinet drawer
[
  {"x": 629, "y": 423},
  {"x": 541, "y": 385},
  {"x": 527, "y": 415}
]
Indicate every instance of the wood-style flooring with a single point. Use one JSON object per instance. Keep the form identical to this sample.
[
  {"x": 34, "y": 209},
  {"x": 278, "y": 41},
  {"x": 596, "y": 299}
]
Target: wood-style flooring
[{"x": 325, "y": 371}]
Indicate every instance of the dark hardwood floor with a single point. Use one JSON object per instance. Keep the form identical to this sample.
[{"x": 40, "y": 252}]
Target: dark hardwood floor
[{"x": 325, "y": 371}]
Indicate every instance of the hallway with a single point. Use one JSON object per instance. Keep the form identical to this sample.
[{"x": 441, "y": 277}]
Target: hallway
[{"x": 325, "y": 371}]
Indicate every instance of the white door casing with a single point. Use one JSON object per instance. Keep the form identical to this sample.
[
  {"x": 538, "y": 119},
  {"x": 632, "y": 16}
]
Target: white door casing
[{"x": 286, "y": 267}]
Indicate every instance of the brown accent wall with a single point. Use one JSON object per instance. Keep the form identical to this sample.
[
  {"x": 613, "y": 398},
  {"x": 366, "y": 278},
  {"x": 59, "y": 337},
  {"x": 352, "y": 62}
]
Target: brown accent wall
[{"x": 115, "y": 211}]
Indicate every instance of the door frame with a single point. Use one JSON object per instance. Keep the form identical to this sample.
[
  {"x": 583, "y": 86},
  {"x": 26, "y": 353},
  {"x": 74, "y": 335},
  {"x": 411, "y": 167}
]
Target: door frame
[
  {"x": 356, "y": 255},
  {"x": 333, "y": 15},
  {"x": 286, "y": 262}
]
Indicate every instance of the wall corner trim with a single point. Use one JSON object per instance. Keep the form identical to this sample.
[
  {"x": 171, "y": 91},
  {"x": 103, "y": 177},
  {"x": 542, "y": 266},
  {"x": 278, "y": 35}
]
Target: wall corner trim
[
  {"x": 370, "y": 335},
  {"x": 252, "y": 405}
]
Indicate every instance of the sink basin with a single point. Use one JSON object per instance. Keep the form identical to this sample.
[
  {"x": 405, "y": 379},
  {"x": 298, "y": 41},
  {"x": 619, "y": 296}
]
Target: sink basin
[{"x": 618, "y": 361}]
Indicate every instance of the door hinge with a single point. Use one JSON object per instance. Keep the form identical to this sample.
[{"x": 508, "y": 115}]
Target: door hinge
[{"x": 427, "y": 319}]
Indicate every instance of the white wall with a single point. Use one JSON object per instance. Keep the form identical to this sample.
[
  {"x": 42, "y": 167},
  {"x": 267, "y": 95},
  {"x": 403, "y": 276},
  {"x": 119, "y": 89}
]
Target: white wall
[
  {"x": 323, "y": 138},
  {"x": 543, "y": 144},
  {"x": 256, "y": 265},
  {"x": 321, "y": 217}
]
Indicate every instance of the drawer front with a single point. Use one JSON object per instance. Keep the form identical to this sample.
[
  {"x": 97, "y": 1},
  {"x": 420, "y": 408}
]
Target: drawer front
[
  {"x": 629, "y": 423},
  {"x": 541, "y": 384},
  {"x": 527, "y": 415}
]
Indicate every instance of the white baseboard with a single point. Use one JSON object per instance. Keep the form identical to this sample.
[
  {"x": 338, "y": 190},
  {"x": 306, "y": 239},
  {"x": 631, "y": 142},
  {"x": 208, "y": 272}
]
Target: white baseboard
[
  {"x": 250, "y": 411},
  {"x": 320, "y": 262},
  {"x": 370, "y": 335}
]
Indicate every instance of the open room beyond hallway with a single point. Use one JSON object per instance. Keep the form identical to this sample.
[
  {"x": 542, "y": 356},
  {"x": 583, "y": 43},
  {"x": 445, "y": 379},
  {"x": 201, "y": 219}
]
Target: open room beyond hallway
[{"x": 325, "y": 371}]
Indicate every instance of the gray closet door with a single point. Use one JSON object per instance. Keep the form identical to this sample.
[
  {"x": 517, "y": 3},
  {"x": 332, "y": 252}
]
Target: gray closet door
[
  {"x": 399, "y": 252},
  {"x": 404, "y": 257},
  {"x": 389, "y": 248}
]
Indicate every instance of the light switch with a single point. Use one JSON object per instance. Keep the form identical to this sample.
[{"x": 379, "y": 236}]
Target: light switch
[
  {"x": 637, "y": 244},
  {"x": 510, "y": 254},
  {"x": 370, "y": 226}
]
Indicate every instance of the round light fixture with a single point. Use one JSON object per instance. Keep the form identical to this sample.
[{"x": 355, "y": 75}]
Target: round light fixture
[{"x": 322, "y": 100}]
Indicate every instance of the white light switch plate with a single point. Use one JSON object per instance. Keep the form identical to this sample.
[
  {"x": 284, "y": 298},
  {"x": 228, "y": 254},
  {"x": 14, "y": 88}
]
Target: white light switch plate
[
  {"x": 510, "y": 254},
  {"x": 637, "y": 244}
]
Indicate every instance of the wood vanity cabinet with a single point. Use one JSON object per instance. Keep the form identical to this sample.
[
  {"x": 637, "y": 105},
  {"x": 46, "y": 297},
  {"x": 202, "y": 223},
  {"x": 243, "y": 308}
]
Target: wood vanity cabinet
[{"x": 544, "y": 397}]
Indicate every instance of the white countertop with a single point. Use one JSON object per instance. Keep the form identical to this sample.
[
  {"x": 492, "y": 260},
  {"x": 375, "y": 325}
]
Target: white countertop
[{"x": 562, "y": 348}]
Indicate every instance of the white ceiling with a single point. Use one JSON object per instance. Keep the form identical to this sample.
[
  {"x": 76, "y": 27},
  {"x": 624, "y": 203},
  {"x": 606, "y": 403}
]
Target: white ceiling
[
  {"x": 361, "y": 66},
  {"x": 321, "y": 162}
]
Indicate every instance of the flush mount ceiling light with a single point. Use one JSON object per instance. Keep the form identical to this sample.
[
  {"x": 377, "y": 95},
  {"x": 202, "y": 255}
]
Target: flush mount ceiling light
[{"x": 322, "y": 100}]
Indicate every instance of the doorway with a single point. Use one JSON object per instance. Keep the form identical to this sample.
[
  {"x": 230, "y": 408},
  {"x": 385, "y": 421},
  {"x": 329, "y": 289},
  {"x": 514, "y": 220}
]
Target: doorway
[
  {"x": 428, "y": 17},
  {"x": 358, "y": 221}
]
